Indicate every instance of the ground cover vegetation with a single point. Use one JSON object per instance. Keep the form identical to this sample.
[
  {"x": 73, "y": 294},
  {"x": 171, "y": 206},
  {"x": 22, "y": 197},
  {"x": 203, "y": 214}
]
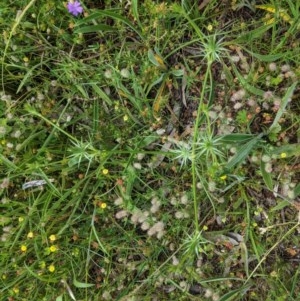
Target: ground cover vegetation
[{"x": 149, "y": 150}]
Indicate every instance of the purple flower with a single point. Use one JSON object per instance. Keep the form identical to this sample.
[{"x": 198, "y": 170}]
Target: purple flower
[{"x": 74, "y": 7}]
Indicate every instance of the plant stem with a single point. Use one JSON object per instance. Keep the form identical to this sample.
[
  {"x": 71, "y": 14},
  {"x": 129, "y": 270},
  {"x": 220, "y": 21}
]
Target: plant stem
[{"x": 195, "y": 137}]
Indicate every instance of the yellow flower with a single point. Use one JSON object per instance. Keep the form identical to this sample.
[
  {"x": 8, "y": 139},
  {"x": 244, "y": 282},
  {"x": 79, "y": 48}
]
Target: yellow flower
[
  {"x": 21, "y": 219},
  {"x": 51, "y": 268},
  {"x": 205, "y": 228},
  {"x": 125, "y": 117},
  {"x": 103, "y": 205},
  {"x": 209, "y": 27},
  {"x": 23, "y": 248},
  {"x": 16, "y": 290},
  {"x": 224, "y": 177},
  {"x": 30, "y": 235},
  {"x": 52, "y": 238},
  {"x": 53, "y": 249},
  {"x": 105, "y": 171},
  {"x": 283, "y": 155}
]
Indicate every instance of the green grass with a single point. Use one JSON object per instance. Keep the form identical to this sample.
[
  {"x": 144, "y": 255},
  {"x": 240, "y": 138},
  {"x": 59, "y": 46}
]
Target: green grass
[{"x": 150, "y": 151}]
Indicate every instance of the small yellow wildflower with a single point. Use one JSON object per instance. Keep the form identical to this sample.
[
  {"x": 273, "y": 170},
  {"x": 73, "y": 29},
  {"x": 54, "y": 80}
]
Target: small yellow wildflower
[
  {"x": 21, "y": 219},
  {"x": 30, "y": 235},
  {"x": 51, "y": 268},
  {"x": 53, "y": 249},
  {"x": 25, "y": 59},
  {"x": 16, "y": 290},
  {"x": 52, "y": 238},
  {"x": 105, "y": 171},
  {"x": 283, "y": 155},
  {"x": 3, "y": 276},
  {"x": 103, "y": 205},
  {"x": 23, "y": 248},
  {"x": 125, "y": 117},
  {"x": 205, "y": 228},
  {"x": 224, "y": 177},
  {"x": 209, "y": 27}
]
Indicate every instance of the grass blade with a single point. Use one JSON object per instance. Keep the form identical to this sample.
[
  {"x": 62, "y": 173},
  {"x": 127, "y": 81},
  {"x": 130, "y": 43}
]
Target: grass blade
[
  {"x": 246, "y": 85},
  {"x": 244, "y": 152},
  {"x": 267, "y": 177},
  {"x": 283, "y": 105},
  {"x": 115, "y": 16},
  {"x": 94, "y": 28}
]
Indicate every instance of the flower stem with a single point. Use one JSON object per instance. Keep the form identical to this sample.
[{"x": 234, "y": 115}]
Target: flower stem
[{"x": 195, "y": 137}]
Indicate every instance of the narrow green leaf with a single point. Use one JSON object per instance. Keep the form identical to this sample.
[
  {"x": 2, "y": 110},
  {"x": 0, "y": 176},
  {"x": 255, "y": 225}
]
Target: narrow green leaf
[
  {"x": 82, "y": 284},
  {"x": 152, "y": 58},
  {"x": 245, "y": 257},
  {"x": 177, "y": 72},
  {"x": 148, "y": 140},
  {"x": 29, "y": 75},
  {"x": 110, "y": 14},
  {"x": 234, "y": 294},
  {"x": 266, "y": 176},
  {"x": 39, "y": 277},
  {"x": 283, "y": 105},
  {"x": 228, "y": 75},
  {"x": 94, "y": 28},
  {"x": 297, "y": 190},
  {"x": 246, "y": 85},
  {"x": 96, "y": 114},
  {"x": 254, "y": 34},
  {"x": 265, "y": 57},
  {"x": 157, "y": 81},
  {"x": 281, "y": 205},
  {"x": 101, "y": 93},
  {"x": 135, "y": 12},
  {"x": 289, "y": 150},
  {"x": 243, "y": 152},
  {"x": 236, "y": 138},
  {"x": 9, "y": 164},
  {"x": 82, "y": 91}
]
